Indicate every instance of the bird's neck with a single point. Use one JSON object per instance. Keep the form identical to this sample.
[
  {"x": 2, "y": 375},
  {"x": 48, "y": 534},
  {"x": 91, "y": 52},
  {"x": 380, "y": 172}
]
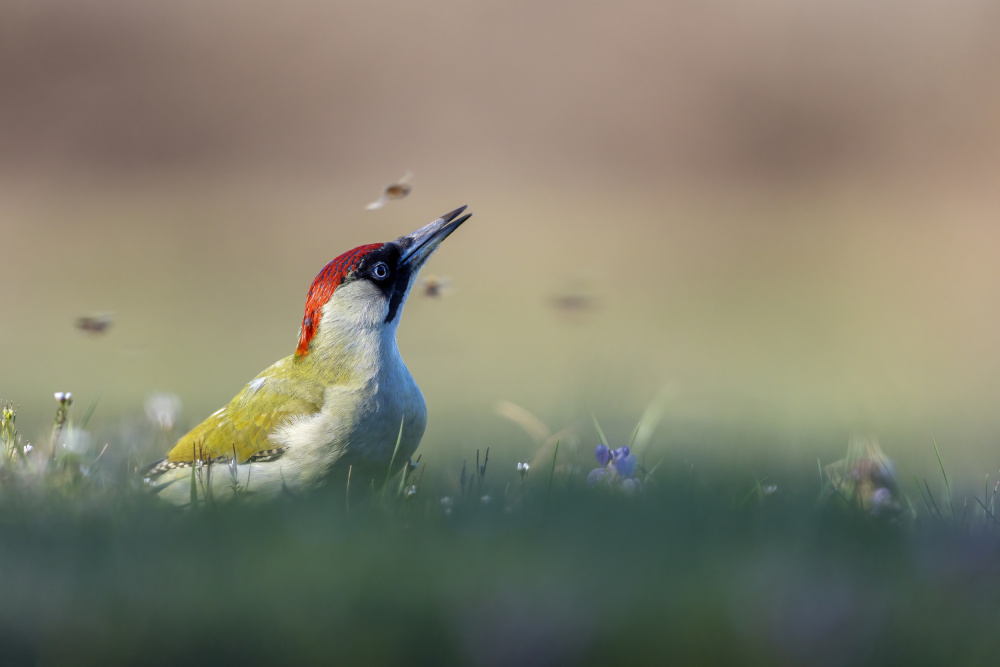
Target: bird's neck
[{"x": 353, "y": 354}]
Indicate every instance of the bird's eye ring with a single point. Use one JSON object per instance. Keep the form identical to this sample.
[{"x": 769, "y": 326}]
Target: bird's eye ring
[{"x": 380, "y": 271}]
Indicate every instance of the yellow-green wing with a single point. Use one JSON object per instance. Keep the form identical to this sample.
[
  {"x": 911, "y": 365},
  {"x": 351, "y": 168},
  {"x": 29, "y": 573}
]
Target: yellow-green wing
[{"x": 247, "y": 422}]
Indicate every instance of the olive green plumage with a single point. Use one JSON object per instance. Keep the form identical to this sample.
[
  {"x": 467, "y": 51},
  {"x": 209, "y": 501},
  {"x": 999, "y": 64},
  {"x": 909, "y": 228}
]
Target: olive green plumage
[{"x": 286, "y": 390}]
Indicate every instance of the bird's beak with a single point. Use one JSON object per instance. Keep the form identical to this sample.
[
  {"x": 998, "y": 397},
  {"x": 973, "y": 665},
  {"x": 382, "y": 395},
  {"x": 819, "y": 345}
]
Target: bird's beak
[{"x": 419, "y": 245}]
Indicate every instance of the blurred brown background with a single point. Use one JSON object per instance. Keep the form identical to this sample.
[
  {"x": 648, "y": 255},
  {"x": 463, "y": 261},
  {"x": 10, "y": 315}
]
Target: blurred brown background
[{"x": 787, "y": 212}]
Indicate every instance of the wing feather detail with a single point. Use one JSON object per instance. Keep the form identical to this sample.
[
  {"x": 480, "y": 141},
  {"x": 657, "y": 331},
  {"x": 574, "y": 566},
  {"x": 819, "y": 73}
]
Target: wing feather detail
[{"x": 245, "y": 425}]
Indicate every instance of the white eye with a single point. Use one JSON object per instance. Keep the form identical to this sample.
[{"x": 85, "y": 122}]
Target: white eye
[{"x": 380, "y": 271}]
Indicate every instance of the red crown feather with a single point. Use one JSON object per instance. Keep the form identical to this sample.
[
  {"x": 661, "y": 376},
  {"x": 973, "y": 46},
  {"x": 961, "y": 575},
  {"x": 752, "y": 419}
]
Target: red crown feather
[{"x": 323, "y": 288}]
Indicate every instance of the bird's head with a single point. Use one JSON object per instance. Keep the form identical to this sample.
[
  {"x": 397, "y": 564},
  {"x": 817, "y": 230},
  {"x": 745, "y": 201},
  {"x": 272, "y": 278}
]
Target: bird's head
[{"x": 365, "y": 288}]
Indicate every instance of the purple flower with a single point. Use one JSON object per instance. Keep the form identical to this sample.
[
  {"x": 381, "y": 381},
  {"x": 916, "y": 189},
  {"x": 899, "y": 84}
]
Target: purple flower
[
  {"x": 603, "y": 454},
  {"x": 620, "y": 463},
  {"x": 625, "y": 466}
]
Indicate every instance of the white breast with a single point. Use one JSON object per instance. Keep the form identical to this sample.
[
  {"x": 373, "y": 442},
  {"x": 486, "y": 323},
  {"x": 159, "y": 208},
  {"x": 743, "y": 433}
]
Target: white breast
[{"x": 358, "y": 424}]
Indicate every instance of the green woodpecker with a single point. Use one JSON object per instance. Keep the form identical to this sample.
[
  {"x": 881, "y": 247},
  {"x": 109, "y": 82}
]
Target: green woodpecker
[{"x": 338, "y": 403}]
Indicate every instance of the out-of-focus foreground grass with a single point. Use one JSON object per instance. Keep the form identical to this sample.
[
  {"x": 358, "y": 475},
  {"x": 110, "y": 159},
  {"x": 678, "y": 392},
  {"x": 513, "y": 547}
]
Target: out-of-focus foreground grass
[{"x": 700, "y": 563}]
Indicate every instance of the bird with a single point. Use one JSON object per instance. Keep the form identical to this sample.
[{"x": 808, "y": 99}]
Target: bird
[{"x": 343, "y": 406}]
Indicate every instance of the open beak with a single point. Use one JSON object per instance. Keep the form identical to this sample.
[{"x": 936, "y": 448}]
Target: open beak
[{"x": 419, "y": 245}]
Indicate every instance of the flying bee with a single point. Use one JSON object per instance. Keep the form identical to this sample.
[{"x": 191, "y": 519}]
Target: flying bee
[
  {"x": 396, "y": 190},
  {"x": 95, "y": 324},
  {"x": 434, "y": 287}
]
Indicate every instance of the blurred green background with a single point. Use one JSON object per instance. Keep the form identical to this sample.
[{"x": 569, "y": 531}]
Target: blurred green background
[{"x": 786, "y": 213}]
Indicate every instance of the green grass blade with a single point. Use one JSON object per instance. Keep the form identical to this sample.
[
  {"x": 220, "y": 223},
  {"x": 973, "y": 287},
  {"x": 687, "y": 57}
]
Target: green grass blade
[
  {"x": 750, "y": 494},
  {"x": 600, "y": 433},
  {"x": 388, "y": 473},
  {"x": 651, "y": 418},
  {"x": 986, "y": 491},
  {"x": 947, "y": 486},
  {"x": 988, "y": 513},
  {"x": 933, "y": 504},
  {"x": 921, "y": 492},
  {"x": 402, "y": 480},
  {"x": 194, "y": 487},
  {"x": 822, "y": 482},
  {"x": 631, "y": 443},
  {"x": 760, "y": 489},
  {"x": 90, "y": 411},
  {"x": 552, "y": 471}
]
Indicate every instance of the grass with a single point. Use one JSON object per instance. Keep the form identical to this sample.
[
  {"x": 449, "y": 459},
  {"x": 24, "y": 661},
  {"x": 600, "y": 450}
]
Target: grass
[{"x": 97, "y": 570}]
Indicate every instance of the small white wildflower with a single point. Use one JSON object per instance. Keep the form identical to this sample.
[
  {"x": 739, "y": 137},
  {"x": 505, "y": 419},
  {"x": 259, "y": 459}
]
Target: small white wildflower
[
  {"x": 28, "y": 448},
  {"x": 769, "y": 489},
  {"x": 522, "y": 468},
  {"x": 145, "y": 480},
  {"x": 64, "y": 396},
  {"x": 163, "y": 409},
  {"x": 410, "y": 491}
]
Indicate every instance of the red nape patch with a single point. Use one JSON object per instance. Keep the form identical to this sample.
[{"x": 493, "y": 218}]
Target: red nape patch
[{"x": 323, "y": 288}]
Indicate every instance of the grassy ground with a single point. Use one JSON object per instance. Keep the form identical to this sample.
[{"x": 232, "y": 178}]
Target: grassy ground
[{"x": 694, "y": 565}]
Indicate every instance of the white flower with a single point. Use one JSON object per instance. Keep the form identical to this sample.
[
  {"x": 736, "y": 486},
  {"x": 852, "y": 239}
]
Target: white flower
[
  {"x": 163, "y": 409},
  {"x": 446, "y": 504}
]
